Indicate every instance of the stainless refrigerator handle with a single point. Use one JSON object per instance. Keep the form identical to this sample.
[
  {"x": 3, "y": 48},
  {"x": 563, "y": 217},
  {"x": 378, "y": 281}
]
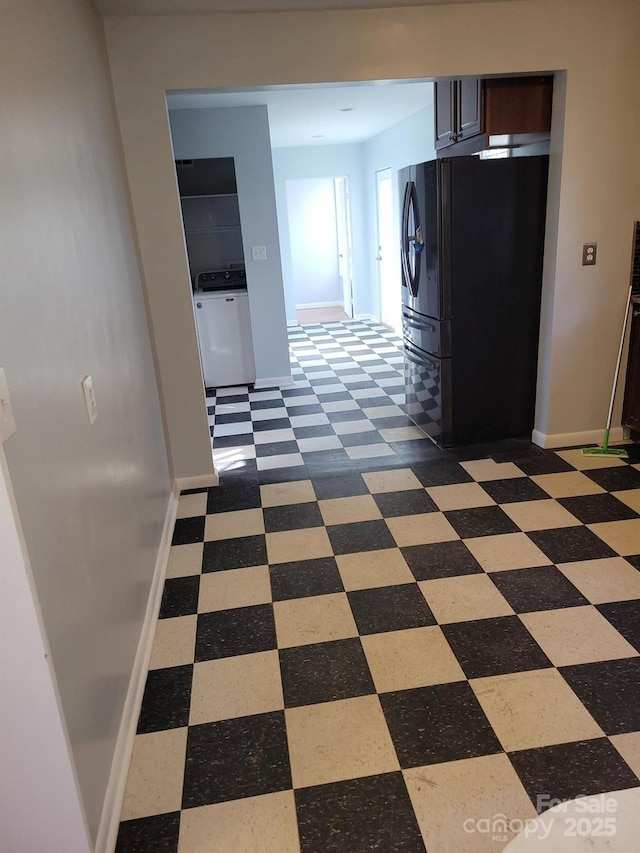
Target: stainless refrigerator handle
[
  {"x": 425, "y": 327},
  {"x": 405, "y": 233},
  {"x": 430, "y": 365},
  {"x": 411, "y": 200}
]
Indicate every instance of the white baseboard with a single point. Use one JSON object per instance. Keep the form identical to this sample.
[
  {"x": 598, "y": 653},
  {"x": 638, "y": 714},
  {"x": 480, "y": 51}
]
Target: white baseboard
[
  {"x": 274, "y": 382},
  {"x": 305, "y": 306},
  {"x": 365, "y": 317},
  {"x": 109, "y": 822},
  {"x": 575, "y": 439},
  {"x": 204, "y": 481}
]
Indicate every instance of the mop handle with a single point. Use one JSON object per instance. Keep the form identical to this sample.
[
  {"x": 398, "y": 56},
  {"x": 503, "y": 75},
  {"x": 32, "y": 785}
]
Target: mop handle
[{"x": 617, "y": 373}]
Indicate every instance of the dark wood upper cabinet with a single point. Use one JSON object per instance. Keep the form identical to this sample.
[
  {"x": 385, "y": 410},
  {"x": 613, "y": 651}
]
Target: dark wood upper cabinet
[
  {"x": 517, "y": 105},
  {"x": 445, "y": 112},
  {"x": 470, "y": 108},
  {"x": 631, "y": 405}
]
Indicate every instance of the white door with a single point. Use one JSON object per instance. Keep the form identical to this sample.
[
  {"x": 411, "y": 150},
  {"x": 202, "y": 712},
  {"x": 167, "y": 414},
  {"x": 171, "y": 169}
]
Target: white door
[
  {"x": 345, "y": 260},
  {"x": 390, "y": 296}
]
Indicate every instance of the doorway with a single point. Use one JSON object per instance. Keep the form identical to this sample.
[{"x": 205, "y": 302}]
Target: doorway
[
  {"x": 345, "y": 253},
  {"x": 320, "y": 239},
  {"x": 390, "y": 299}
]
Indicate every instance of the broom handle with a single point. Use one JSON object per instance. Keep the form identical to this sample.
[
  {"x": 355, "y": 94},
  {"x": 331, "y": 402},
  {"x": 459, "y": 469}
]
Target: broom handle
[{"x": 617, "y": 373}]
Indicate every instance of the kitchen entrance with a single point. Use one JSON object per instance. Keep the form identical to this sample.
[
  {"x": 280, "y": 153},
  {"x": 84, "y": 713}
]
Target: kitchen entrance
[{"x": 325, "y": 216}]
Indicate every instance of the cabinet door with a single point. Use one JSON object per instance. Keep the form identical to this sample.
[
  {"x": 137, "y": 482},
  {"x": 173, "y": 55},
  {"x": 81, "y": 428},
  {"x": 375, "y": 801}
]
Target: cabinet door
[
  {"x": 518, "y": 105},
  {"x": 469, "y": 107},
  {"x": 445, "y": 113},
  {"x": 631, "y": 407}
]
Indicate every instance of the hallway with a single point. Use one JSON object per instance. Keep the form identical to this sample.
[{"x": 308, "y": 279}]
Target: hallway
[{"x": 368, "y": 643}]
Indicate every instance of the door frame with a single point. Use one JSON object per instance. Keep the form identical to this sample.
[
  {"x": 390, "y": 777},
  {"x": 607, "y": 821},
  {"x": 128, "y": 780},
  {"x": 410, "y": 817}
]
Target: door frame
[
  {"x": 345, "y": 241},
  {"x": 381, "y": 175}
]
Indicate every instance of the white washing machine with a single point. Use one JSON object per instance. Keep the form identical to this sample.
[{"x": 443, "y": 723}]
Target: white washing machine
[{"x": 221, "y": 307}]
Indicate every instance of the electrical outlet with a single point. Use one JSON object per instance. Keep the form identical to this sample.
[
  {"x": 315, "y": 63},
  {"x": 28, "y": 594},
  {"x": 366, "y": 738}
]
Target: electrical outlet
[
  {"x": 90, "y": 399},
  {"x": 7, "y": 422},
  {"x": 259, "y": 253},
  {"x": 589, "y": 254}
]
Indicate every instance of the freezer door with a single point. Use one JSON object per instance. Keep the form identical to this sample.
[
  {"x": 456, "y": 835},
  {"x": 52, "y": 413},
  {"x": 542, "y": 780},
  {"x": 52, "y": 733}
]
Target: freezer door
[
  {"x": 225, "y": 339},
  {"x": 427, "y": 333},
  {"x": 427, "y": 381}
]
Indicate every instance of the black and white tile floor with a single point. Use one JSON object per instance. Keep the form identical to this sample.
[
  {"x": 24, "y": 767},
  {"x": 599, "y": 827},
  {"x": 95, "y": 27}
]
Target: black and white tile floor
[
  {"x": 365, "y": 641},
  {"x": 343, "y": 408}
]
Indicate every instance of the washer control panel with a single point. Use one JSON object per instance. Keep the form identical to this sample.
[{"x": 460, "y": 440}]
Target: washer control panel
[{"x": 220, "y": 280}]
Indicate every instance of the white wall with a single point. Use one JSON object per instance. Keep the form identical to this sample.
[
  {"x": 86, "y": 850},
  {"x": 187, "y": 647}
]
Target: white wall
[
  {"x": 91, "y": 499},
  {"x": 595, "y": 43},
  {"x": 243, "y": 133},
  {"x": 325, "y": 161},
  {"x": 410, "y": 141},
  {"x": 40, "y": 807},
  {"x": 313, "y": 236}
]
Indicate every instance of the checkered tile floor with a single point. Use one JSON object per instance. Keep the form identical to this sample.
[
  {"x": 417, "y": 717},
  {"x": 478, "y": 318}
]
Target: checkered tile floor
[
  {"x": 361, "y": 652},
  {"x": 344, "y": 407}
]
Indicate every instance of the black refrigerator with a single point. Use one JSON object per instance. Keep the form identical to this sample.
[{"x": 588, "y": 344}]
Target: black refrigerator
[{"x": 472, "y": 238}]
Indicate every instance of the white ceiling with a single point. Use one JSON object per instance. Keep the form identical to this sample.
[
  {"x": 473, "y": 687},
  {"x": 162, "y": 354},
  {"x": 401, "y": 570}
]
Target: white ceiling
[
  {"x": 320, "y": 115},
  {"x": 179, "y": 7}
]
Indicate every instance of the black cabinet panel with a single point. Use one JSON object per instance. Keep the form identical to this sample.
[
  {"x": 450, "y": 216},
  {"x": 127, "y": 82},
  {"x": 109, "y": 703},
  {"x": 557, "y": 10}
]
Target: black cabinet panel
[
  {"x": 631, "y": 407},
  {"x": 207, "y": 176}
]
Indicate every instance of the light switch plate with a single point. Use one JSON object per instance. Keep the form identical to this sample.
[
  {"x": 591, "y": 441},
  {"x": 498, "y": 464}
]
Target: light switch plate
[
  {"x": 259, "y": 253},
  {"x": 7, "y": 421}
]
